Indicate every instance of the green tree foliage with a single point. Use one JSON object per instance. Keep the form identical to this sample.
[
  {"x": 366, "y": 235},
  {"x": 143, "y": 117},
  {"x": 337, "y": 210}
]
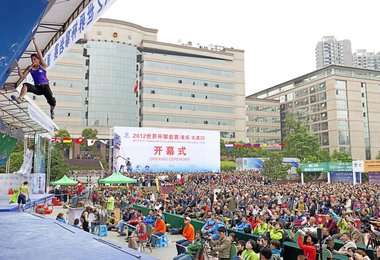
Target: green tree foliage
[
  {"x": 299, "y": 143},
  {"x": 89, "y": 133},
  {"x": 227, "y": 166},
  {"x": 273, "y": 167},
  {"x": 17, "y": 158},
  {"x": 62, "y": 133},
  {"x": 58, "y": 165},
  {"x": 378, "y": 156},
  {"x": 340, "y": 157}
]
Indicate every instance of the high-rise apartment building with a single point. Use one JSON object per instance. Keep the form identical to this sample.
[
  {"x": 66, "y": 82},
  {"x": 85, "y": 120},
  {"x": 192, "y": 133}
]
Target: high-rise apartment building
[
  {"x": 340, "y": 104},
  {"x": 366, "y": 60},
  {"x": 331, "y": 51},
  {"x": 179, "y": 86}
]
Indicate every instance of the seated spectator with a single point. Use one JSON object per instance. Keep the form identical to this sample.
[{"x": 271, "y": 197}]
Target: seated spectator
[
  {"x": 139, "y": 235},
  {"x": 263, "y": 242},
  {"x": 275, "y": 246},
  {"x": 249, "y": 253},
  {"x": 276, "y": 232},
  {"x": 188, "y": 233},
  {"x": 341, "y": 224},
  {"x": 210, "y": 222},
  {"x": 60, "y": 218},
  {"x": 159, "y": 229},
  {"x": 266, "y": 254},
  {"x": 330, "y": 223},
  {"x": 150, "y": 219},
  {"x": 309, "y": 250},
  {"x": 244, "y": 226},
  {"x": 301, "y": 219},
  {"x": 327, "y": 240},
  {"x": 222, "y": 245},
  {"x": 355, "y": 234},
  {"x": 347, "y": 244},
  {"x": 112, "y": 222},
  {"x": 76, "y": 223},
  {"x": 240, "y": 247},
  {"x": 261, "y": 228},
  {"x": 191, "y": 249},
  {"x": 213, "y": 233},
  {"x": 360, "y": 255}
]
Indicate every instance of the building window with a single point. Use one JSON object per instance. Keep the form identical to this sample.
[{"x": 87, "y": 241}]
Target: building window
[{"x": 205, "y": 122}]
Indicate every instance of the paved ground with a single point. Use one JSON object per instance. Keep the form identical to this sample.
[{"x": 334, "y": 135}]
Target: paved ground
[{"x": 164, "y": 253}]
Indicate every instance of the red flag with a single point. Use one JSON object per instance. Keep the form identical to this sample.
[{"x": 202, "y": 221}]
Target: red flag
[
  {"x": 136, "y": 87},
  {"x": 79, "y": 140}
]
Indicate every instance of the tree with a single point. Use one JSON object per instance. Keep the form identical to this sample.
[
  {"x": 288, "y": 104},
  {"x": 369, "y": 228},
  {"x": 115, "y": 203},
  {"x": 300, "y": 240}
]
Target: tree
[
  {"x": 89, "y": 133},
  {"x": 58, "y": 165},
  {"x": 299, "y": 143},
  {"x": 273, "y": 167},
  {"x": 340, "y": 157},
  {"x": 378, "y": 156},
  {"x": 62, "y": 133}
]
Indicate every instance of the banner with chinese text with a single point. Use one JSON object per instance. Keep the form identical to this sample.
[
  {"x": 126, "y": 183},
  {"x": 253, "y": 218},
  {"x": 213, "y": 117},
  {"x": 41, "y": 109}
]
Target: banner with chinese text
[{"x": 160, "y": 149}]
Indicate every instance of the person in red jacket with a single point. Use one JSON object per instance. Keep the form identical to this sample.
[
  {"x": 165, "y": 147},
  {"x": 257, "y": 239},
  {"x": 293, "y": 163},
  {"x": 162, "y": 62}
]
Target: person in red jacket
[
  {"x": 188, "y": 233},
  {"x": 140, "y": 234},
  {"x": 159, "y": 229},
  {"x": 308, "y": 249}
]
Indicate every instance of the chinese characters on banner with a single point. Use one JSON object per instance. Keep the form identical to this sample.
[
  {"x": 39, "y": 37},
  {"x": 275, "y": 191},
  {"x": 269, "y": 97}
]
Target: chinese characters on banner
[
  {"x": 152, "y": 150},
  {"x": 78, "y": 27}
]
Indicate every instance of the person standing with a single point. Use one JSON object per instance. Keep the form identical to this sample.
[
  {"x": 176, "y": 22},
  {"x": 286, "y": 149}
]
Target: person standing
[
  {"x": 110, "y": 204},
  {"x": 24, "y": 190},
  {"x": 41, "y": 83}
]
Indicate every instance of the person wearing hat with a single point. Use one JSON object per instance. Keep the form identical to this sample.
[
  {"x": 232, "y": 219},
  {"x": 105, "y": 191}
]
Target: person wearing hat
[
  {"x": 188, "y": 233},
  {"x": 159, "y": 229}
]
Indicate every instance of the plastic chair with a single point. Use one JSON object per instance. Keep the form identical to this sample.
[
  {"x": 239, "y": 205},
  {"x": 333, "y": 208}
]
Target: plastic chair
[
  {"x": 162, "y": 241},
  {"x": 102, "y": 231},
  {"x": 326, "y": 254}
]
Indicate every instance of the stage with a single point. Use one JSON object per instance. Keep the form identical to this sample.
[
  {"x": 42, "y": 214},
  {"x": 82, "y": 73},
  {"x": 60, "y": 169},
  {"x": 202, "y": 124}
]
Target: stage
[
  {"x": 28, "y": 236},
  {"x": 34, "y": 200}
]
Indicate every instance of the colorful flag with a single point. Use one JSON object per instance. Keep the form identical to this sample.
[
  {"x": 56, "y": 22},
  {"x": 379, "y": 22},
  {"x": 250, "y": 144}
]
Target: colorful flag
[
  {"x": 238, "y": 145},
  {"x": 228, "y": 146},
  {"x": 264, "y": 145},
  {"x": 79, "y": 140},
  {"x": 282, "y": 144},
  {"x": 136, "y": 87},
  {"x": 56, "y": 140},
  {"x": 248, "y": 145},
  {"x": 90, "y": 142},
  {"x": 104, "y": 141},
  {"x": 257, "y": 146},
  {"x": 67, "y": 140}
]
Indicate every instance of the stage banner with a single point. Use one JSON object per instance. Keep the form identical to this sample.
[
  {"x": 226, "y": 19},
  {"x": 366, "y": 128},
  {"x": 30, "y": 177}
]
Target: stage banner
[
  {"x": 159, "y": 149},
  {"x": 257, "y": 164},
  {"x": 345, "y": 177},
  {"x": 374, "y": 177}
]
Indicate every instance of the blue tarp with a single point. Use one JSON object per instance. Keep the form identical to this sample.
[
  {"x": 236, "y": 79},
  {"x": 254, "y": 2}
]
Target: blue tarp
[{"x": 18, "y": 24}]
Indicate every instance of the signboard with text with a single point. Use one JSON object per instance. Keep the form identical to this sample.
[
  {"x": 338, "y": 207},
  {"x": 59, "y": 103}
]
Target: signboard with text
[
  {"x": 314, "y": 167},
  {"x": 339, "y": 166},
  {"x": 159, "y": 149},
  {"x": 372, "y": 166},
  {"x": 374, "y": 177},
  {"x": 346, "y": 177}
]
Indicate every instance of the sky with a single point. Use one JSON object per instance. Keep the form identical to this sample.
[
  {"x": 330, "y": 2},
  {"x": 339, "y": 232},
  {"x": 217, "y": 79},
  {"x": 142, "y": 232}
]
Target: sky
[{"x": 278, "y": 37}]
